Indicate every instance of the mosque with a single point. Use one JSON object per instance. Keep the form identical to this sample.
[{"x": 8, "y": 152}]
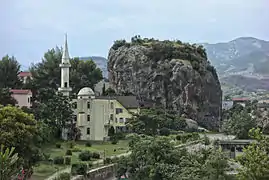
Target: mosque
[{"x": 95, "y": 114}]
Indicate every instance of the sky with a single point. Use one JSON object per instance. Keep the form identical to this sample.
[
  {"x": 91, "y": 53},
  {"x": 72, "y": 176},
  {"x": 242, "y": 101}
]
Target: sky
[{"x": 30, "y": 27}]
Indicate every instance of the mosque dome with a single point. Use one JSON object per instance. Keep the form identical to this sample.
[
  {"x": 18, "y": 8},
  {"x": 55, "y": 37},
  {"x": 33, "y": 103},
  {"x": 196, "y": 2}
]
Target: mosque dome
[{"x": 86, "y": 91}]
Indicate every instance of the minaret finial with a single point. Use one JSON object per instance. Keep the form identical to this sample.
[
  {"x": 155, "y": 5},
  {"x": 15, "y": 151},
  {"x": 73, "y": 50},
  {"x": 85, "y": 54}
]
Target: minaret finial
[{"x": 65, "y": 57}]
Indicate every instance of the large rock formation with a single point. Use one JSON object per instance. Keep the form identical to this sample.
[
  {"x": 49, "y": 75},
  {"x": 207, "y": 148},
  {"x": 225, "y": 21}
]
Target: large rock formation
[{"x": 170, "y": 74}]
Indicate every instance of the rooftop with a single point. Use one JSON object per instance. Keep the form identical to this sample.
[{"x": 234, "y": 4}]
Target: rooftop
[
  {"x": 24, "y": 74},
  {"x": 126, "y": 101},
  {"x": 20, "y": 91}
]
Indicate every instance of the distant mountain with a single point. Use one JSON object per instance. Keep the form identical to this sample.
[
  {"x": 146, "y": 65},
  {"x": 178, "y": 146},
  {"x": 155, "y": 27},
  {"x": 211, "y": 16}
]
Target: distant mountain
[
  {"x": 101, "y": 62},
  {"x": 240, "y": 61}
]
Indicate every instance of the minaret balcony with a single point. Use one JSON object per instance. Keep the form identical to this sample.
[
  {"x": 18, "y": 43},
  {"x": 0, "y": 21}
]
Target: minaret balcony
[
  {"x": 65, "y": 89},
  {"x": 65, "y": 65}
]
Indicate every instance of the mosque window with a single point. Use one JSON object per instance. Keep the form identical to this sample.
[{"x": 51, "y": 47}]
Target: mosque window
[
  {"x": 75, "y": 118},
  {"x": 75, "y": 105},
  {"x": 118, "y": 110},
  {"x": 65, "y": 84},
  {"x": 111, "y": 105},
  {"x": 111, "y": 117},
  {"x": 88, "y": 117},
  {"x": 88, "y": 130},
  {"x": 89, "y": 105},
  {"x": 121, "y": 120}
]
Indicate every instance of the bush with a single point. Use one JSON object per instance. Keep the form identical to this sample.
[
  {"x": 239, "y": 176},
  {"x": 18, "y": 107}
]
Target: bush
[
  {"x": 67, "y": 160},
  {"x": 71, "y": 144},
  {"x": 107, "y": 161},
  {"x": 120, "y": 136},
  {"x": 206, "y": 140},
  {"x": 63, "y": 176},
  {"x": 164, "y": 131},
  {"x": 88, "y": 144},
  {"x": 90, "y": 165},
  {"x": 95, "y": 155},
  {"x": 58, "y": 160},
  {"x": 58, "y": 145},
  {"x": 68, "y": 152},
  {"x": 85, "y": 156},
  {"x": 79, "y": 169},
  {"x": 46, "y": 156},
  {"x": 76, "y": 149}
]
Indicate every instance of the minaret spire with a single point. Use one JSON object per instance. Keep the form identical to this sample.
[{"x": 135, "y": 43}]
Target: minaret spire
[
  {"x": 65, "y": 57},
  {"x": 65, "y": 65}
]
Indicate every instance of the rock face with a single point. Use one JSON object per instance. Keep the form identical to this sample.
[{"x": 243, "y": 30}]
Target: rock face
[{"x": 172, "y": 75}]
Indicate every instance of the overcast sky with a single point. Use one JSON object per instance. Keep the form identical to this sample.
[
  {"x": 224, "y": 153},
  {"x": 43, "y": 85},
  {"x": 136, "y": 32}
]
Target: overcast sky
[{"x": 31, "y": 27}]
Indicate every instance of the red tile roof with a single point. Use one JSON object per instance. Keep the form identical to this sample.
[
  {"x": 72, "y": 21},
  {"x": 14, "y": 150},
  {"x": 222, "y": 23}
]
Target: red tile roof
[
  {"x": 21, "y": 91},
  {"x": 24, "y": 74}
]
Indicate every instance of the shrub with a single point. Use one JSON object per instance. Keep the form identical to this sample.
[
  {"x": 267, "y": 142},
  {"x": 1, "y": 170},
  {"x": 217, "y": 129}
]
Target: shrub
[
  {"x": 85, "y": 156},
  {"x": 88, "y": 144},
  {"x": 76, "y": 149},
  {"x": 58, "y": 160},
  {"x": 68, "y": 152},
  {"x": 79, "y": 169},
  {"x": 46, "y": 156},
  {"x": 63, "y": 176},
  {"x": 90, "y": 165},
  {"x": 164, "y": 131},
  {"x": 206, "y": 140},
  {"x": 120, "y": 135},
  {"x": 67, "y": 160},
  {"x": 95, "y": 155},
  {"x": 58, "y": 145},
  {"x": 71, "y": 144},
  {"x": 107, "y": 160}
]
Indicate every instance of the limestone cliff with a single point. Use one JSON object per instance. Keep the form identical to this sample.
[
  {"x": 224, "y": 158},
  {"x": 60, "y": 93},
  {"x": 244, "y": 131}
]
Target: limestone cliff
[{"x": 172, "y": 74}]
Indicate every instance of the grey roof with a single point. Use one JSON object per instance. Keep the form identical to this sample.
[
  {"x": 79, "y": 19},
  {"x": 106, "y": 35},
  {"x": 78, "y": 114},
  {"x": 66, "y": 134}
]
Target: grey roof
[{"x": 126, "y": 101}]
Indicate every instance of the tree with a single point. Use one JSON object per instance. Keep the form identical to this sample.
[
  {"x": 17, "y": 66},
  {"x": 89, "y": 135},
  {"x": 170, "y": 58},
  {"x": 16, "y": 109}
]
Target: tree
[
  {"x": 18, "y": 130},
  {"x": 9, "y": 70},
  {"x": 255, "y": 160},
  {"x": 56, "y": 112},
  {"x": 8, "y": 163},
  {"x": 239, "y": 124},
  {"x": 155, "y": 158},
  {"x": 47, "y": 73},
  {"x": 6, "y": 98}
]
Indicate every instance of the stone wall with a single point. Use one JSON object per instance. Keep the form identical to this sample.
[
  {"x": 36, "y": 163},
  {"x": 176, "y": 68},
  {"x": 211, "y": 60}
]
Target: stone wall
[{"x": 101, "y": 173}]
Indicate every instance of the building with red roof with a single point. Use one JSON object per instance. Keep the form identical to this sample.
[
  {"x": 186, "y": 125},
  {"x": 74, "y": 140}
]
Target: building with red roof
[
  {"x": 22, "y": 96},
  {"x": 24, "y": 75}
]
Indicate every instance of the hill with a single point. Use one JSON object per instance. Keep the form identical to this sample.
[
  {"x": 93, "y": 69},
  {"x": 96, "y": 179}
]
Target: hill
[
  {"x": 241, "y": 61},
  {"x": 101, "y": 62}
]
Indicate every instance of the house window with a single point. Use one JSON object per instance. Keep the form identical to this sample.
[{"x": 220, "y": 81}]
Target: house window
[
  {"x": 75, "y": 118},
  {"x": 88, "y": 117},
  {"x": 88, "y": 131},
  {"x": 111, "y": 105},
  {"x": 118, "y": 110},
  {"x": 121, "y": 120},
  {"x": 65, "y": 84},
  {"x": 111, "y": 117},
  {"x": 28, "y": 99},
  {"x": 88, "y": 105}
]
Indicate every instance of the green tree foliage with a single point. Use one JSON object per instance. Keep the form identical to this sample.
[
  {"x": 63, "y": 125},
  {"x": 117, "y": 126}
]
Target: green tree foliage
[
  {"x": 8, "y": 163},
  {"x": 6, "y": 98},
  {"x": 9, "y": 70},
  {"x": 239, "y": 124},
  {"x": 157, "y": 159},
  {"x": 56, "y": 111},
  {"x": 255, "y": 160},
  {"x": 18, "y": 130},
  {"x": 47, "y": 73},
  {"x": 149, "y": 121}
]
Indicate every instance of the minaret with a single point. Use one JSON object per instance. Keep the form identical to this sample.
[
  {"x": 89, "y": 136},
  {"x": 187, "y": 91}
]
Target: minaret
[{"x": 65, "y": 65}]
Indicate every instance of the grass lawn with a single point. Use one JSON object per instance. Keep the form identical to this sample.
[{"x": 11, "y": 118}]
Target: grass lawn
[{"x": 45, "y": 169}]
